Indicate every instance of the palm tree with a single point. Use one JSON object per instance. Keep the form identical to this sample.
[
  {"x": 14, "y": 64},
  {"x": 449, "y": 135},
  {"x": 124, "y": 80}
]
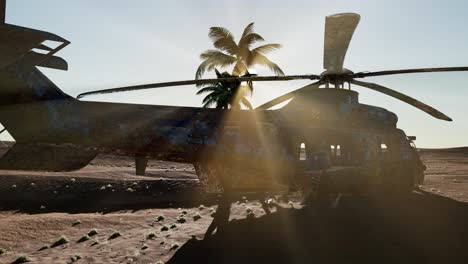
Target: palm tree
[
  {"x": 225, "y": 94},
  {"x": 240, "y": 55}
]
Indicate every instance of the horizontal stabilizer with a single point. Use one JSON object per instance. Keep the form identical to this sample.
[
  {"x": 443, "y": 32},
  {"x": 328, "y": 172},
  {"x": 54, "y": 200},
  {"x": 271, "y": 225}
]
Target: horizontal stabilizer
[
  {"x": 46, "y": 157},
  {"x": 43, "y": 60},
  {"x": 16, "y": 41}
]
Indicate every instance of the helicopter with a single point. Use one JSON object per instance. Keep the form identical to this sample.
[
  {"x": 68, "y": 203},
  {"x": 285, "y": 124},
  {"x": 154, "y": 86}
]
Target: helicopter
[{"x": 323, "y": 140}]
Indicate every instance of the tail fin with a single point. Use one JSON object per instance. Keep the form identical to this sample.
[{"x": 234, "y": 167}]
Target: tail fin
[
  {"x": 20, "y": 80},
  {"x": 30, "y": 103}
]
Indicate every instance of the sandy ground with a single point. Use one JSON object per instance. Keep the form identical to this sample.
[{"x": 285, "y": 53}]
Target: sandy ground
[
  {"x": 39, "y": 208},
  {"x": 447, "y": 172}
]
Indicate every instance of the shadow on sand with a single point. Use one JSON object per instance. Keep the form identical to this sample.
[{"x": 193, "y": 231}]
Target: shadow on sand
[
  {"x": 88, "y": 197},
  {"x": 421, "y": 228}
]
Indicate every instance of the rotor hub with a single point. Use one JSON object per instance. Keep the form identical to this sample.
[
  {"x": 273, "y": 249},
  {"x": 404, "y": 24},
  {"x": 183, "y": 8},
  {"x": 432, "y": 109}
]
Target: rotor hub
[
  {"x": 329, "y": 96},
  {"x": 338, "y": 79}
]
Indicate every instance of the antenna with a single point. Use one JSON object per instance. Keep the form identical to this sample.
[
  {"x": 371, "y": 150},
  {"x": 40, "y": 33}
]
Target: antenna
[{"x": 2, "y": 11}]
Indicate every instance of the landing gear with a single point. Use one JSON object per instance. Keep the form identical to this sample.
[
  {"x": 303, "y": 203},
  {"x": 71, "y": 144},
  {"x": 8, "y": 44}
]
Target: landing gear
[{"x": 140, "y": 165}]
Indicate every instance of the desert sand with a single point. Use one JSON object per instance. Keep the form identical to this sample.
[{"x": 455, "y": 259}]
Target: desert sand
[{"x": 37, "y": 209}]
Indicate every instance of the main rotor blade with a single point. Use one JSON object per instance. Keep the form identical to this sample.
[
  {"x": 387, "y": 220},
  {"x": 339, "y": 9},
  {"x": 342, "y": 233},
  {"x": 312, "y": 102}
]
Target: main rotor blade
[
  {"x": 202, "y": 81},
  {"x": 339, "y": 30},
  {"x": 405, "y": 98},
  {"x": 404, "y": 71},
  {"x": 277, "y": 100},
  {"x": 285, "y": 97}
]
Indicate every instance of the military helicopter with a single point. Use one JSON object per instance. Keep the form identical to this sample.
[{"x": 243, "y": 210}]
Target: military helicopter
[{"x": 322, "y": 137}]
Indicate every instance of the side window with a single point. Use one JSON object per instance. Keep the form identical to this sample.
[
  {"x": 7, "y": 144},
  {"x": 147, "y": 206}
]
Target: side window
[
  {"x": 335, "y": 150},
  {"x": 302, "y": 152},
  {"x": 383, "y": 148},
  {"x": 336, "y": 154},
  {"x": 384, "y": 152}
]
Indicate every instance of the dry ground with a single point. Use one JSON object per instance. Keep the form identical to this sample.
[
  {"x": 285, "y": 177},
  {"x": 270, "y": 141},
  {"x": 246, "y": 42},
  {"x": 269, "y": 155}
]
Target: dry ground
[{"x": 38, "y": 208}]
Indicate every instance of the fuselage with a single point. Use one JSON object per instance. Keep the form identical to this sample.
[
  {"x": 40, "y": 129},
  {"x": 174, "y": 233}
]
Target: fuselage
[{"x": 54, "y": 131}]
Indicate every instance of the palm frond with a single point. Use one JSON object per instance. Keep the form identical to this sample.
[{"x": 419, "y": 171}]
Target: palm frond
[
  {"x": 259, "y": 59},
  {"x": 249, "y": 40},
  {"x": 201, "y": 69},
  {"x": 267, "y": 48},
  {"x": 217, "y": 57},
  {"x": 215, "y": 97},
  {"x": 223, "y": 102},
  {"x": 207, "y": 102},
  {"x": 207, "y": 89},
  {"x": 210, "y": 99},
  {"x": 250, "y": 87},
  {"x": 223, "y": 39},
  {"x": 219, "y": 75},
  {"x": 217, "y": 33},
  {"x": 248, "y": 29},
  {"x": 212, "y": 59},
  {"x": 219, "y": 94},
  {"x": 225, "y": 74},
  {"x": 239, "y": 69},
  {"x": 228, "y": 45},
  {"x": 220, "y": 100}
]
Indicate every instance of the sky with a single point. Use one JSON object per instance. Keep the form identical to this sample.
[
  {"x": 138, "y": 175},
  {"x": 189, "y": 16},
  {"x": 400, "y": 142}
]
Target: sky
[{"x": 120, "y": 42}]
